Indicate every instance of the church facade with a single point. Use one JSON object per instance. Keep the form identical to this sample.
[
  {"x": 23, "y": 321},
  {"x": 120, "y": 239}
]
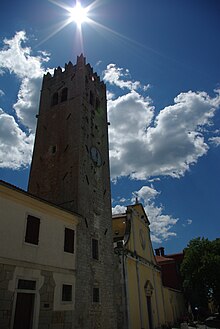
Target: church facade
[
  {"x": 141, "y": 298},
  {"x": 57, "y": 256}
]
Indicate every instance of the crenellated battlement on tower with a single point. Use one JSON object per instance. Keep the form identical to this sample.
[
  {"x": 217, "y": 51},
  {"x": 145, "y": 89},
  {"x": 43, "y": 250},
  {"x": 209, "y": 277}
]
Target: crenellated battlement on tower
[
  {"x": 61, "y": 74},
  {"x": 69, "y": 82}
]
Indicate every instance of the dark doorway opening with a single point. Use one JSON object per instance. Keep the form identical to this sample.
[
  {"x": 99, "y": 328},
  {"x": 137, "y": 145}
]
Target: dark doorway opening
[
  {"x": 24, "y": 311},
  {"x": 149, "y": 312}
]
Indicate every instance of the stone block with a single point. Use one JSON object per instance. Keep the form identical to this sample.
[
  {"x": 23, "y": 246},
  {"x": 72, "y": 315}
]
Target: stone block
[
  {"x": 9, "y": 268},
  {"x": 44, "y": 326},
  {"x": 2, "y": 274},
  {"x": 5, "y": 305},
  {"x": 45, "y": 317},
  {"x": 58, "y": 317},
  {"x": 4, "y": 284},
  {"x": 4, "y": 323},
  {"x": 68, "y": 325},
  {"x": 57, "y": 326}
]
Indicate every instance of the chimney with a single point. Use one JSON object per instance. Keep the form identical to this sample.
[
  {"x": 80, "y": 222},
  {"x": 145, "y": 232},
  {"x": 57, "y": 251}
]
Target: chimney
[
  {"x": 157, "y": 252},
  {"x": 162, "y": 251}
]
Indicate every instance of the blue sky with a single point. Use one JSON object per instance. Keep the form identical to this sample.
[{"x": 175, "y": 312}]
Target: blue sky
[{"x": 160, "y": 62}]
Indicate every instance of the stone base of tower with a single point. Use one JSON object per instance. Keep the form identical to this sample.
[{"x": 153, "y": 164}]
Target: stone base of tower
[{"x": 93, "y": 276}]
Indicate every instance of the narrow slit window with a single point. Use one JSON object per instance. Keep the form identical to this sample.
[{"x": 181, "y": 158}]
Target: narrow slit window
[
  {"x": 95, "y": 249},
  {"x": 69, "y": 115},
  {"x": 53, "y": 149},
  {"x": 96, "y": 295},
  {"x": 66, "y": 147}
]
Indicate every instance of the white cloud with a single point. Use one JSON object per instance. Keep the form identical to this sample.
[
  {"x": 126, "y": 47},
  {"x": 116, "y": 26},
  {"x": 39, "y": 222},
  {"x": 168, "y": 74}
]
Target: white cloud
[
  {"x": 121, "y": 78},
  {"x": 146, "y": 193},
  {"x": 215, "y": 140},
  {"x": 129, "y": 116},
  {"x": 1, "y": 93},
  {"x": 122, "y": 200},
  {"x": 157, "y": 179},
  {"x": 161, "y": 225},
  {"x": 110, "y": 95},
  {"x": 26, "y": 106},
  {"x": 98, "y": 63},
  {"x": 118, "y": 209},
  {"x": 188, "y": 222},
  {"x": 15, "y": 145},
  {"x": 142, "y": 145},
  {"x": 17, "y": 59}
]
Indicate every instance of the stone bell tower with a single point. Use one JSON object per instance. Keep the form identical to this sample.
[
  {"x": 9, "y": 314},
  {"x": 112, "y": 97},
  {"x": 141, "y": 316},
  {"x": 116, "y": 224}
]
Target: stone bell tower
[{"x": 70, "y": 167}]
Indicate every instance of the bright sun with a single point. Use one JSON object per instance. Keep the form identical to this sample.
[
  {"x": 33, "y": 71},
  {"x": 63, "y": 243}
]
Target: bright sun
[{"x": 78, "y": 14}]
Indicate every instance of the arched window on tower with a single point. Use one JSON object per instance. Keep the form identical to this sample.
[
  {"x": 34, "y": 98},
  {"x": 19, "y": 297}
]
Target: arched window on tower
[
  {"x": 64, "y": 94},
  {"x": 54, "y": 100}
]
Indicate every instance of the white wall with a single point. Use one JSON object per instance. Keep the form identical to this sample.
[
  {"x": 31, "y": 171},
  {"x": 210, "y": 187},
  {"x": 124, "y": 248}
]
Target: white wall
[{"x": 50, "y": 249}]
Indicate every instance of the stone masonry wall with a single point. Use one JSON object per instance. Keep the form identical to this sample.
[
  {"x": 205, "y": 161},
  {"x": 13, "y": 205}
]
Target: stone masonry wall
[
  {"x": 48, "y": 318},
  {"x": 120, "y": 291},
  {"x": 6, "y": 297}
]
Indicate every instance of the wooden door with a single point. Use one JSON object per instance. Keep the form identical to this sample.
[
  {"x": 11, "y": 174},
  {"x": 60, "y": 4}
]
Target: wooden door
[
  {"x": 24, "y": 310},
  {"x": 149, "y": 312}
]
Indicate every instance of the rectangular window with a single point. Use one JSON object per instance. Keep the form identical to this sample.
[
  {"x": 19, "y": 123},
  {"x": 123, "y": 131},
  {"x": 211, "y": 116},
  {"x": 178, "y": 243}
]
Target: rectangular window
[
  {"x": 32, "y": 230},
  {"x": 95, "y": 295},
  {"x": 67, "y": 293},
  {"x": 69, "y": 240},
  {"x": 95, "y": 249},
  {"x": 26, "y": 284}
]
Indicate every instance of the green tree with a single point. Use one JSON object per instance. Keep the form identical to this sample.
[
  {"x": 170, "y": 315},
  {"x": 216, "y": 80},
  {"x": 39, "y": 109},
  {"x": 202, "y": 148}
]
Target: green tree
[{"x": 200, "y": 270}]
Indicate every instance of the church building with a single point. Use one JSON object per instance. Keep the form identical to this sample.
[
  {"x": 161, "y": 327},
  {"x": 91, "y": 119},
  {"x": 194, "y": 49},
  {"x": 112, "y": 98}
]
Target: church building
[{"x": 142, "y": 300}]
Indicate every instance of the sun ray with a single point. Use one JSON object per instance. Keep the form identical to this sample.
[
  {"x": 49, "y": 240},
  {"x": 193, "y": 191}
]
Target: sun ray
[
  {"x": 58, "y": 29},
  {"x": 59, "y": 4},
  {"x": 80, "y": 15},
  {"x": 129, "y": 41}
]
